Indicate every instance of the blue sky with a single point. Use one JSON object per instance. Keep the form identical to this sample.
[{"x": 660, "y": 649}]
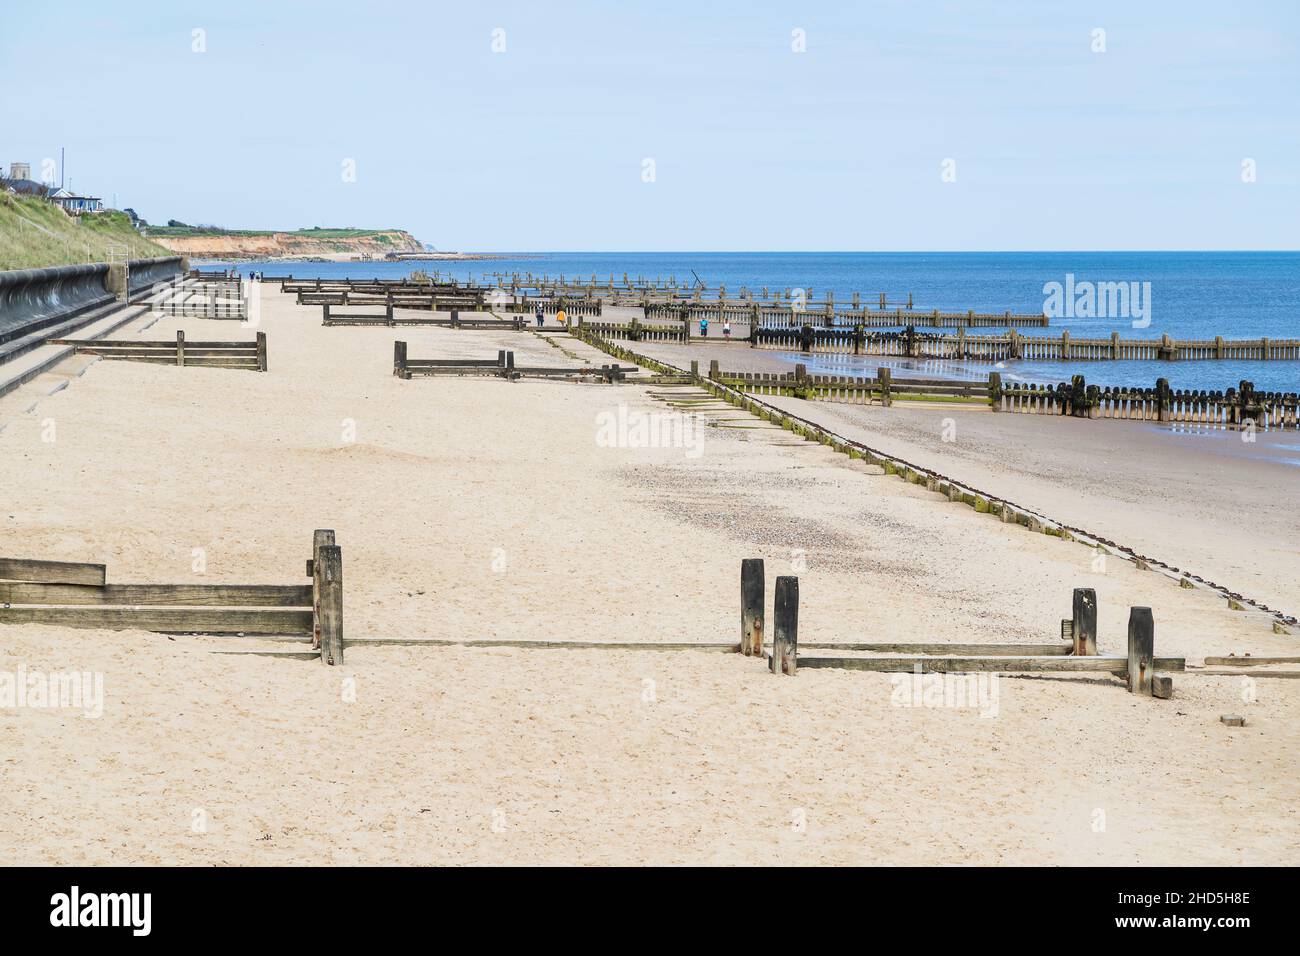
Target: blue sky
[{"x": 755, "y": 147}]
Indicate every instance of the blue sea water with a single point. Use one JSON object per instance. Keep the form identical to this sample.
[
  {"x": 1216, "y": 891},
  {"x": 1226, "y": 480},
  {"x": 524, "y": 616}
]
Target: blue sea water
[{"x": 1193, "y": 295}]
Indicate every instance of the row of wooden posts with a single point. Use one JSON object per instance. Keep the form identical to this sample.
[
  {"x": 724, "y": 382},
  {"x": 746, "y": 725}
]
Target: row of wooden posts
[
  {"x": 69, "y": 594},
  {"x": 908, "y": 342},
  {"x": 1235, "y": 408},
  {"x": 1077, "y": 652}
]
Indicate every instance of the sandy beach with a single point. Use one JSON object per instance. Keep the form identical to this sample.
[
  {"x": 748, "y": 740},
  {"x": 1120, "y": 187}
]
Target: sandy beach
[{"x": 477, "y": 509}]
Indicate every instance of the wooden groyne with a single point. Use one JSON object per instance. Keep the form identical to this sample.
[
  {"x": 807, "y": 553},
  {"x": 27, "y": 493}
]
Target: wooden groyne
[
  {"x": 237, "y": 355},
  {"x": 78, "y": 595},
  {"x": 984, "y": 347}
]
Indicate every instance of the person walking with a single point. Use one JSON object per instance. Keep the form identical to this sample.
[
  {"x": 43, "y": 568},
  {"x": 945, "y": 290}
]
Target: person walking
[
  {"x": 541, "y": 316},
  {"x": 726, "y": 329},
  {"x": 704, "y": 328}
]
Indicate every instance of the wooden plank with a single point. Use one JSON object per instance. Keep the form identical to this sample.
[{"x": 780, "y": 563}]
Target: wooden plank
[
  {"x": 951, "y": 650},
  {"x": 52, "y": 572},
  {"x": 1249, "y": 661},
  {"x": 550, "y": 645},
  {"x": 752, "y": 592},
  {"x": 197, "y": 620},
  {"x": 160, "y": 595},
  {"x": 785, "y": 626},
  {"x": 941, "y": 665},
  {"x": 1232, "y": 672},
  {"x": 329, "y": 564}
]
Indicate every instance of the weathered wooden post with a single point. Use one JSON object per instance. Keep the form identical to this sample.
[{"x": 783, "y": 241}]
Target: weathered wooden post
[
  {"x": 320, "y": 538},
  {"x": 388, "y": 310},
  {"x": 884, "y": 377},
  {"x": 995, "y": 391},
  {"x": 399, "y": 359},
  {"x": 325, "y": 314},
  {"x": 510, "y": 366},
  {"x": 261, "y": 351},
  {"x": 1141, "y": 650},
  {"x": 714, "y": 374},
  {"x": 695, "y": 370},
  {"x": 785, "y": 630},
  {"x": 1084, "y": 616},
  {"x": 180, "y": 348},
  {"x": 1162, "y": 399},
  {"x": 752, "y": 590},
  {"x": 330, "y": 567}
]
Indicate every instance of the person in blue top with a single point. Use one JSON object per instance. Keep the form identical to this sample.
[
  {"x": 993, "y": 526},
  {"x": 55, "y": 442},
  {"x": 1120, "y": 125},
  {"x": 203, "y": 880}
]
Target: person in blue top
[{"x": 704, "y": 328}]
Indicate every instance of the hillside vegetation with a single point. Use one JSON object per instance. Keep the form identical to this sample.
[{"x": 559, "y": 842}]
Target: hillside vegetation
[
  {"x": 210, "y": 242},
  {"x": 35, "y": 234}
]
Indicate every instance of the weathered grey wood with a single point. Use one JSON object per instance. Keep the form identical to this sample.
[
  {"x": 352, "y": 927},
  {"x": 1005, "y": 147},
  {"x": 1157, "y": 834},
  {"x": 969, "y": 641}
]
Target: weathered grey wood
[
  {"x": 1162, "y": 686},
  {"x": 752, "y": 591},
  {"x": 940, "y": 665},
  {"x": 320, "y": 538},
  {"x": 159, "y": 595},
  {"x": 785, "y": 626},
  {"x": 1141, "y": 650},
  {"x": 261, "y": 351},
  {"x": 551, "y": 645},
  {"x": 180, "y": 348},
  {"x": 330, "y": 566},
  {"x": 193, "y": 620},
  {"x": 1249, "y": 661},
  {"x": 51, "y": 572},
  {"x": 944, "y": 649},
  {"x": 1085, "y": 622},
  {"x": 885, "y": 377}
]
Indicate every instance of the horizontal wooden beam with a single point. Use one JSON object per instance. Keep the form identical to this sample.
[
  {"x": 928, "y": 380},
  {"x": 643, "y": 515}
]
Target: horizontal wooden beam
[
  {"x": 552, "y": 645},
  {"x": 1056, "y": 648},
  {"x": 51, "y": 572},
  {"x": 154, "y": 595},
  {"x": 1249, "y": 661},
  {"x": 933, "y": 665},
  {"x": 183, "y": 620}
]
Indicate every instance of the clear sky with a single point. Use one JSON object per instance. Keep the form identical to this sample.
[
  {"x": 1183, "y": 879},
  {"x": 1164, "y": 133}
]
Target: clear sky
[{"x": 755, "y": 146}]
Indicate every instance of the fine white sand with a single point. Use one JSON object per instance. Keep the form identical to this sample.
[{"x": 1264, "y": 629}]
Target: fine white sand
[{"x": 471, "y": 508}]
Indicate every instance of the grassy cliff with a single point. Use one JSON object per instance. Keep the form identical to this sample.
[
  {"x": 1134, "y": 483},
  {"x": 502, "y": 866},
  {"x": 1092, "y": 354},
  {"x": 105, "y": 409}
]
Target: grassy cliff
[
  {"x": 35, "y": 233},
  {"x": 206, "y": 242}
]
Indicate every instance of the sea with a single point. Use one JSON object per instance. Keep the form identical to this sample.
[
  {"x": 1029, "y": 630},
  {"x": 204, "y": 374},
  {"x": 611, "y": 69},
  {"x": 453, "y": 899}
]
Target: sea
[{"x": 1187, "y": 295}]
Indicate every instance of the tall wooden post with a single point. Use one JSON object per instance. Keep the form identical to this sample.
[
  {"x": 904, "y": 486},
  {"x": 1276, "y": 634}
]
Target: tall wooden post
[
  {"x": 885, "y": 377},
  {"x": 261, "y": 351},
  {"x": 995, "y": 391},
  {"x": 399, "y": 359},
  {"x": 1141, "y": 650},
  {"x": 714, "y": 374},
  {"x": 1084, "y": 615},
  {"x": 331, "y": 603},
  {"x": 320, "y": 538},
  {"x": 785, "y": 630},
  {"x": 752, "y": 590},
  {"x": 180, "y": 348}
]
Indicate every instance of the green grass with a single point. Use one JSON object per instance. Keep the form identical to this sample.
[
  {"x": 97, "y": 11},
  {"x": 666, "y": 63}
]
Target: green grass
[
  {"x": 316, "y": 232},
  {"x": 35, "y": 234}
]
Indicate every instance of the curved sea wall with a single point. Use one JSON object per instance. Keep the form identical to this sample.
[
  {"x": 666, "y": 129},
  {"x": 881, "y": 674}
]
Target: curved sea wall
[{"x": 31, "y": 299}]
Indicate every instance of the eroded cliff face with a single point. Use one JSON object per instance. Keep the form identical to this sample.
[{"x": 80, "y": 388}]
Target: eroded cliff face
[{"x": 290, "y": 245}]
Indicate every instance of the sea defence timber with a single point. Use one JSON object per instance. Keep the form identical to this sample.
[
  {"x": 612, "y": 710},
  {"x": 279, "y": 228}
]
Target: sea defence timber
[{"x": 986, "y": 347}]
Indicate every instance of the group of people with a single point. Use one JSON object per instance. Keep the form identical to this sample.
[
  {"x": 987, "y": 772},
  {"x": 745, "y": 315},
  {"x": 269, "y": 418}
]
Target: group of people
[{"x": 726, "y": 328}]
